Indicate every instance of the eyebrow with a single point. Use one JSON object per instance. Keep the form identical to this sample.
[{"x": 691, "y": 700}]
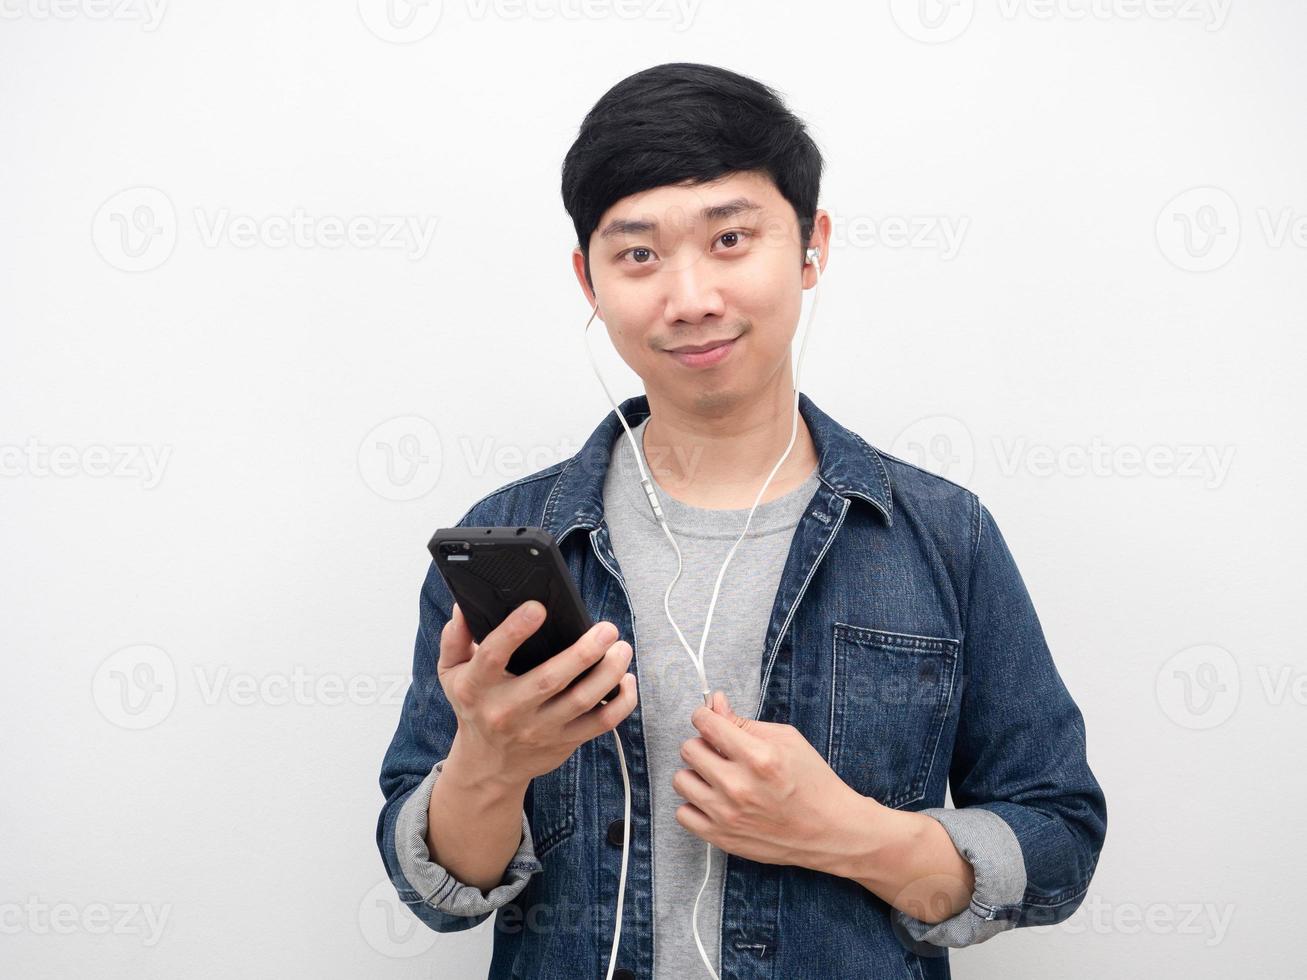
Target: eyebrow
[{"x": 714, "y": 212}]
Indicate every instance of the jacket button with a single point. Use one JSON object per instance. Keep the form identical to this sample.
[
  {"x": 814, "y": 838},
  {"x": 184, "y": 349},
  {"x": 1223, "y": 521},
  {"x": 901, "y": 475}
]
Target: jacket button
[
  {"x": 615, "y": 838},
  {"x": 623, "y": 974}
]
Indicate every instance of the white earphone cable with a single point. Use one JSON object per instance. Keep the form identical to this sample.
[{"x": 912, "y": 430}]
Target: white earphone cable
[{"x": 813, "y": 256}]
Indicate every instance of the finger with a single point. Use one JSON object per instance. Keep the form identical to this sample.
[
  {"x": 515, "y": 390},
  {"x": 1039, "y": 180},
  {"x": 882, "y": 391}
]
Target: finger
[
  {"x": 576, "y": 700},
  {"x": 493, "y": 653},
  {"x": 456, "y": 642},
  {"x": 543, "y": 681},
  {"x": 700, "y": 756},
  {"x": 598, "y": 720},
  {"x": 692, "y": 788},
  {"x": 695, "y": 821},
  {"x": 728, "y": 739}
]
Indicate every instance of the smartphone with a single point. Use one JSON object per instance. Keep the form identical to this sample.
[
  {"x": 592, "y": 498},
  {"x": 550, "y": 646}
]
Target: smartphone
[{"x": 491, "y": 571}]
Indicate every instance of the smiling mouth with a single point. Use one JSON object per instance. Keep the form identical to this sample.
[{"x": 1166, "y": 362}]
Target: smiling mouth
[
  {"x": 703, "y": 347},
  {"x": 705, "y": 355}
]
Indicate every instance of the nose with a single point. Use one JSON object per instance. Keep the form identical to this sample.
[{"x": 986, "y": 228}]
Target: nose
[{"x": 693, "y": 293}]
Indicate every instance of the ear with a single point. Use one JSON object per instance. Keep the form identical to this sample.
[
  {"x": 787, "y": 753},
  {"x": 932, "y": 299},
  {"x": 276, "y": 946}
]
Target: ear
[
  {"x": 578, "y": 269},
  {"x": 821, "y": 236}
]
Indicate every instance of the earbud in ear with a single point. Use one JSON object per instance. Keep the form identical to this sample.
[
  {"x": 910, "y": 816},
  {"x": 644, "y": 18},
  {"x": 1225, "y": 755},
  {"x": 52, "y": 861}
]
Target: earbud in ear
[{"x": 814, "y": 254}]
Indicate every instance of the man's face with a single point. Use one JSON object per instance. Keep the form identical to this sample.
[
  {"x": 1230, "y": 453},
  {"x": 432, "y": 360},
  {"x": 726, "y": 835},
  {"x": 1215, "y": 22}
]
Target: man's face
[{"x": 691, "y": 265}]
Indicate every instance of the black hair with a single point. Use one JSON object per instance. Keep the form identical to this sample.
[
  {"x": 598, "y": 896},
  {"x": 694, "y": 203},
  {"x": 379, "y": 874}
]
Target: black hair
[{"x": 686, "y": 123}]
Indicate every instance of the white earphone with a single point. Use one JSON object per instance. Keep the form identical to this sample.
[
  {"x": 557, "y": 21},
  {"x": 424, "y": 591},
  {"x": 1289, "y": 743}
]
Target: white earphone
[{"x": 811, "y": 256}]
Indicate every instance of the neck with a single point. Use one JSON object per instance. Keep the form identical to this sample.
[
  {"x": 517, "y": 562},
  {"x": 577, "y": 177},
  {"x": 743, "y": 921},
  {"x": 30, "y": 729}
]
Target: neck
[{"x": 718, "y": 455}]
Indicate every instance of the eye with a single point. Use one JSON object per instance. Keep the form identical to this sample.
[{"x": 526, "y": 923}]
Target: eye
[
  {"x": 738, "y": 235},
  {"x": 640, "y": 253}
]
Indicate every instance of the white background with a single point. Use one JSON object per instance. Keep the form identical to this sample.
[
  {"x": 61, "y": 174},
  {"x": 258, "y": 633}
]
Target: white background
[{"x": 1125, "y": 398}]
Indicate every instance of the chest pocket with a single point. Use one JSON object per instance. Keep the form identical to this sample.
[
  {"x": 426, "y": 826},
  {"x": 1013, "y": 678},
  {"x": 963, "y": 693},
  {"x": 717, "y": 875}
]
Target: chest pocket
[
  {"x": 890, "y": 699},
  {"x": 553, "y": 803}
]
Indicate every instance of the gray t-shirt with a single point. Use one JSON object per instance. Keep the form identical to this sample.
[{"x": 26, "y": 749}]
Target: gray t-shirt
[{"x": 670, "y": 689}]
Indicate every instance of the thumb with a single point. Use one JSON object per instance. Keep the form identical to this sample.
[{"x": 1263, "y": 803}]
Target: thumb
[
  {"x": 723, "y": 708},
  {"x": 763, "y": 729}
]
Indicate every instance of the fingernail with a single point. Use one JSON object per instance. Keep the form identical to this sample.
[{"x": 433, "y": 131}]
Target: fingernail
[{"x": 532, "y": 611}]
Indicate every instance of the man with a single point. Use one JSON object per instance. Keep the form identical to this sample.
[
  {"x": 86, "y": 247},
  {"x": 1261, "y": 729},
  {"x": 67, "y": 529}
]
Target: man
[{"x": 873, "y": 642}]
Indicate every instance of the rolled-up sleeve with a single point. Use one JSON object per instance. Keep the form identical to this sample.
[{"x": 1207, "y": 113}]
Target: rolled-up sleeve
[
  {"x": 1029, "y": 815},
  {"x": 409, "y": 770},
  {"x": 438, "y": 889},
  {"x": 986, "y": 842}
]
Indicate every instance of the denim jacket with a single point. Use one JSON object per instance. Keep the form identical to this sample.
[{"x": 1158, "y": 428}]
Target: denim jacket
[{"x": 902, "y": 644}]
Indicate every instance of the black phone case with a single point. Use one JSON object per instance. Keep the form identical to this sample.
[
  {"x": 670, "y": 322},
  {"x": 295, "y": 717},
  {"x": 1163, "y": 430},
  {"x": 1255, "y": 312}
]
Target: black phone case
[{"x": 492, "y": 570}]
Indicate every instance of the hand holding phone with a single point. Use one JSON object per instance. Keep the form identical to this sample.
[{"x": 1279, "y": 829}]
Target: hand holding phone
[
  {"x": 528, "y": 725},
  {"x": 491, "y": 571}
]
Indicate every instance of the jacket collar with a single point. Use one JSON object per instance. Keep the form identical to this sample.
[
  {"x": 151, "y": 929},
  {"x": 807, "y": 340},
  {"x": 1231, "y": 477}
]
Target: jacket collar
[{"x": 846, "y": 464}]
